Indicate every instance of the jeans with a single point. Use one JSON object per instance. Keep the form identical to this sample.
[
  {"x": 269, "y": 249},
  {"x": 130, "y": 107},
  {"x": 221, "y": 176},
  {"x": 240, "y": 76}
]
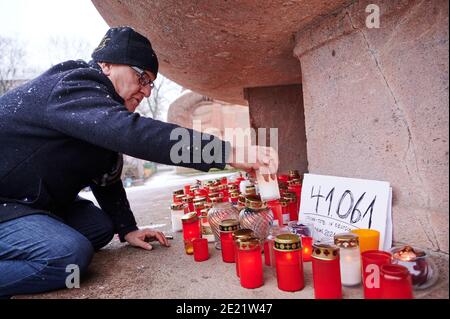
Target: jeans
[{"x": 36, "y": 249}]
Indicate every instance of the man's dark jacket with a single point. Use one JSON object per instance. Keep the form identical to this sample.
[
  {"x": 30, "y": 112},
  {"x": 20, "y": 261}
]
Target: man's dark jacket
[{"x": 64, "y": 131}]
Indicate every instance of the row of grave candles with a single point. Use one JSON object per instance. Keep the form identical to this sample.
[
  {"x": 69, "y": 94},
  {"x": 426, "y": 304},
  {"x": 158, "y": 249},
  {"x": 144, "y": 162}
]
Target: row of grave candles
[{"x": 333, "y": 265}]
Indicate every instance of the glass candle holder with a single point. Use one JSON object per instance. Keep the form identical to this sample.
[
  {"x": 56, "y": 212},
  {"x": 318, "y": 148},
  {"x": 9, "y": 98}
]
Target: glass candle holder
[
  {"x": 191, "y": 231},
  {"x": 285, "y": 211},
  {"x": 240, "y": 235},
  {"x": 369, "y": 239},
  {"x": 250, "y": 263},
  {"x": 256, "y": 216},
  {"x": 267, "y": 190},
  {"x": 206, "y": 229},
  {"x": 326, "y": 272},
  {"x": 372, "y": 260},
  {"x": 288, "y": 260},
  {"x": 350, "y": 258},
  {"x": 395, "y": 282},
  {"x": 201, "y": 252},
  {"x": 177, "y": 211},
  {"x": 275, "y": 207},
  {"x": 424, "y": 272},
  {"x": 227, "y": 227},
  {"x": 175, "y": 195},
  {"x": 216, "y": 214}
]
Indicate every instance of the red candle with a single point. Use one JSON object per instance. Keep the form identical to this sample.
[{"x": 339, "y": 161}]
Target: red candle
[
  {"x": 177, "y": 196},
  {"x": 283, "y": 178},
  {"x": 285, "y": 211},
  {"x": 250, "y": 263},
  {"x": 189, "y": 200},
  {"x": 201, "y": 252},
  {"x": 372, "y": 260},
  {"x": 307, "y": 248},
  {"x": 291, "y": 197},
  {"x": 326, "y": 272},
  {"x": 224, "y": 181},
  {"x": 396, "y": 282},
  {"x": 227, "y": 227},
  {"x": 288, "y": 260},
  {"x": 296, "y": 187},
  {"x": 191, "y": 231},
  {"x": 240, "y": 235},
  {"x": 187, "y": 189},
  {"x": 198, "y": 207},
  {"x": 234, "y": 197},
  {"x": 275, "y": 206}
]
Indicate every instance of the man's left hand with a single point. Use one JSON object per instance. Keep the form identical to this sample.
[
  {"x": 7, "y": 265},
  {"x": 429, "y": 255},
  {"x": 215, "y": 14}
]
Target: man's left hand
[{"x": 141, "y": 237}]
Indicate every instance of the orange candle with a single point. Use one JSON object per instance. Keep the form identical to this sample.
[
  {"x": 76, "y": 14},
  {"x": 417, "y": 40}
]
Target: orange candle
[{"x": 369, "y": 239}]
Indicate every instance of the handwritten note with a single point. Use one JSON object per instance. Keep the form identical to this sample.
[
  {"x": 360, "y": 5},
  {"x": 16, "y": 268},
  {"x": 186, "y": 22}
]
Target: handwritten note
[{"x": 339, "y": 204}]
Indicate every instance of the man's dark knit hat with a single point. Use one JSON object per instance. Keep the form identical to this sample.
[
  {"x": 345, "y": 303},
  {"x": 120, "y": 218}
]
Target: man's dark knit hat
[{"x": 123, "y": 45}]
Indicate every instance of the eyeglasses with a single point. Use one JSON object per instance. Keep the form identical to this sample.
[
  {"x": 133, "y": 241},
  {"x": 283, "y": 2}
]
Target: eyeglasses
[{"x": 144, "y": 79}]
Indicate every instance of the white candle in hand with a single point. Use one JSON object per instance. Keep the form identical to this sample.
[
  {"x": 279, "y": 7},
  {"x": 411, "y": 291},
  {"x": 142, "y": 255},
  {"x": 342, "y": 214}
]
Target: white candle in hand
[{"x": 267, "y": 190}]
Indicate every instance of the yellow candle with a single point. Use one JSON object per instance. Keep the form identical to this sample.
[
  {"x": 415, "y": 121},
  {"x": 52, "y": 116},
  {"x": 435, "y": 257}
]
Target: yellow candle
[{"x": 369, "y": 239}]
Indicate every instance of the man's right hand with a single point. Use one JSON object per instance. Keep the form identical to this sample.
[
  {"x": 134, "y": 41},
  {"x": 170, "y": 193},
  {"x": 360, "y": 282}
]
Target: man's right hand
[{"x": 255, "y": 157}]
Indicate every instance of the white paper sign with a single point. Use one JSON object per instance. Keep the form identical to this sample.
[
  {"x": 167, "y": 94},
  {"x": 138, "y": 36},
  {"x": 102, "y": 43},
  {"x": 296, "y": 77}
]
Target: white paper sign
[{"x": 338, "y": 204}]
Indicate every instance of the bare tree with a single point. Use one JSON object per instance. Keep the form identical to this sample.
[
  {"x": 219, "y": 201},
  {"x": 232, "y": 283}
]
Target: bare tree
[
  {"x": 11, "y": 63},
  {"x": 62, "y": 48}
]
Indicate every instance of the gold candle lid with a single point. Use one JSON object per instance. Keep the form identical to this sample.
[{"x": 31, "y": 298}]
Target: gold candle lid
[
  {"x": 284, "y": 202},
  {"x": 293, "y": 173},
  {"x": 295, "y": 181},
  {"x": 199, "y": 199},
  {"x": 199, "y": 205},
  {"x": 243, "y": 234},
  {"x": 229, "y": 225},
  {"x": 178, "y": 192},
  {"x": 180, "y": 197},
  {"x": 250, "y": 190},
  {"x": 204, "y": 212},
  {"x": 177, "y": 206},
  {"x": 234, "y": 195},
  {"x": 248, "y": 243},
  {"x": 287, "y": 242},
  {"x": 254, "y": 202},
  {"x": 216, "y": 200},
  {"x": 232, "y": 186},
  {"x": 214, "y": 189},
  {"x": 346, "y": 240},
  {"x": 188, "y": 199},
  {"x": 189, "y": 217},
  {"x": 325, "y": 252}
]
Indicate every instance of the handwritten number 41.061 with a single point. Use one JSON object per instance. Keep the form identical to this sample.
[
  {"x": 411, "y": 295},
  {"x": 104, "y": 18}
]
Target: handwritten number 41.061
[{"x": 353, "y": 212}]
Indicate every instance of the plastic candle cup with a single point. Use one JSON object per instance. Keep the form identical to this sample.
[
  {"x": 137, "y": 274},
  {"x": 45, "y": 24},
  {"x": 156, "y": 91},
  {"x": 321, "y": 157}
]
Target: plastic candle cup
[
  {"x": 424, "y": 272},
  {"x": 226, "y": 228},
  {"x": 292, "y": 207},
  {"x": 306, "y": 248},
  {"x": 189, "y": 200},
  {"x": 175, "y": 194},
  {"x": 326, "y": 272},
  {"x": 284, "y": 211},
  {"x": 288, "y": 260},
  {"x": 201, "y": 252},
  {"x": 350, "y": 258},
  {"x": 369, "y": 239},
  {"x": 395, "y": 282},
  {"x": 240, "y": 235},
  {"x": 250, "y": 263},
  {"x": 187, "y": 189},
  {"x": 372, "y": 260},
  {"x": 176, "y": 212},
  {"x": 234, "y": 197},
  {"x": 191, "y": 231},
  {"x": 206, "y": 229},
  {"x": 296, "y": 187},
  {"x": 275, "y": 206},
  {"x": 198, "y": 207}
]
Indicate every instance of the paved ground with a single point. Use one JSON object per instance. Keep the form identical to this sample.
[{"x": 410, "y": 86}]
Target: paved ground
[{"x": 121, "y": 271}]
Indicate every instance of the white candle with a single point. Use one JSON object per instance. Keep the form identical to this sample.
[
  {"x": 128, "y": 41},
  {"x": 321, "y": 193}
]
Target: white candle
[
  {"x": 176, "y": 214},
  {"x": 267, "y": 190},
  {"x": 350, "y": 266}
]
